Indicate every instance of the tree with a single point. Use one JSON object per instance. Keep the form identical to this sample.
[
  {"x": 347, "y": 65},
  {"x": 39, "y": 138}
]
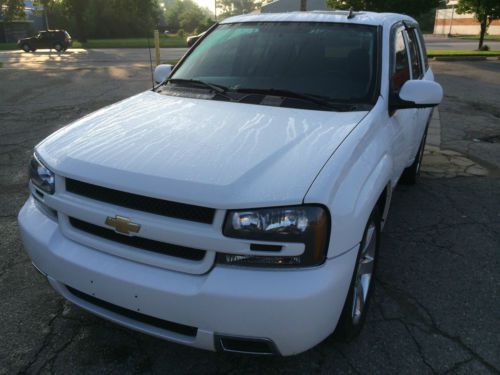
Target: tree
[
  {"x": 191, "y": 19},
  {"x": 45, "y": 5},
  {"x": 234, "y": 7},
  {"x": 11, "y": 9},
  {"x": 76, "y": 9},
  {"x": 485, "y": 11},
  {"x": 186, "y": 15},
  {"x": 206, "y": 24},
  {"x": 106, "y": 18},
  {"x": 413, "y": 8}
]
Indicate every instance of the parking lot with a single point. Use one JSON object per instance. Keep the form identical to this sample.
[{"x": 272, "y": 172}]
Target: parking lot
[{"x": 437, "y": 299}]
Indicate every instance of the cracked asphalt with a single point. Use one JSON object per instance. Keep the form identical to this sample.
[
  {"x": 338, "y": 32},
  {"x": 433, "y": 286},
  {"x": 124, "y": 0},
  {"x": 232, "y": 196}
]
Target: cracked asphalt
[{"x": 437, "y": 305}]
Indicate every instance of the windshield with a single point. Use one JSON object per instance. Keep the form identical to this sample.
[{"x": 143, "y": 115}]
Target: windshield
[{"x": 336, "y": 62}]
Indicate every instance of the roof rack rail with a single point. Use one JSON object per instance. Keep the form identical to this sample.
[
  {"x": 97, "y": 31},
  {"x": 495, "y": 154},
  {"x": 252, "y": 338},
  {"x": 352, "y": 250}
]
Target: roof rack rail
[{"x": 351, "y": 13}]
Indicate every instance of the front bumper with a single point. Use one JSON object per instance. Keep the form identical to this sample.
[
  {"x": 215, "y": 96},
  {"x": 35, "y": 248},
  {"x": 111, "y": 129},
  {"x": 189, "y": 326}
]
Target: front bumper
[{"x": 295, "y": 309}]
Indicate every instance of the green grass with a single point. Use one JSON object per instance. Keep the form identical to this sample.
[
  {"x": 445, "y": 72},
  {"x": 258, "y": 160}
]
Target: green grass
[
  {"x": 450, "y": 53},
  {"x": 8, "y": 46},
  {"x": 166, "y": 41},
  {"x": 171, "y": 62},
  {"x": 1, "y": 64}
]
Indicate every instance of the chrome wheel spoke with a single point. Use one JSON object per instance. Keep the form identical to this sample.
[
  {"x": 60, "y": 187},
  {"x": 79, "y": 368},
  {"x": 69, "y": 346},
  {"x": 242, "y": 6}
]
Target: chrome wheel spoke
[
  {"x": 365, "y": 282},
  {"x": 359, "y": 302},
  {"x": 366, "y": 266},
  {"x": 364, "y": 272},
  {"x": 369, "y": 247}
]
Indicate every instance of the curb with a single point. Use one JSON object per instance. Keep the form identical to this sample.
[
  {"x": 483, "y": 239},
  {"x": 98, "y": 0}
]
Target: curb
[{"x": 464, "y": 58}]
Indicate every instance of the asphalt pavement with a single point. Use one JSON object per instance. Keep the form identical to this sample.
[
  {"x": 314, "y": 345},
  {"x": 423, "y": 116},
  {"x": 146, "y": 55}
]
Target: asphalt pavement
[
  {"x": 445, "y": 43},
  {"x": 78, "y": 58},
  {"x": 437, "y": 302}
]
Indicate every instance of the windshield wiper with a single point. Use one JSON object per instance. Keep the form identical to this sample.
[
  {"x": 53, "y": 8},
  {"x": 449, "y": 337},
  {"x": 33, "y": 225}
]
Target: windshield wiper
[
  {"x": 323, "y": 102},
  {"x": 217, "y": 88}
]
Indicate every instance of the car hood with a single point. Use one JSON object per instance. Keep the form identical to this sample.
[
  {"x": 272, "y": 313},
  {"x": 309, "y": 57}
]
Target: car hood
[{"x": 211, "y": 153}]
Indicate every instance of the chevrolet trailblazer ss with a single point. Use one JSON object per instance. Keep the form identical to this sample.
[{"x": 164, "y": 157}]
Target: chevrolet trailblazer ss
[{"x": 238, "y": 205}]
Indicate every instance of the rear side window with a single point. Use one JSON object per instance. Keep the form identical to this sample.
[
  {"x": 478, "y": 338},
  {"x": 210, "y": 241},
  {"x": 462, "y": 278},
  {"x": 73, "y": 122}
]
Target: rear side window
[
  {"x": 401, "y": 66},
  {"x": 416, "y": 61},
  {"x": 423, "y": 48}
]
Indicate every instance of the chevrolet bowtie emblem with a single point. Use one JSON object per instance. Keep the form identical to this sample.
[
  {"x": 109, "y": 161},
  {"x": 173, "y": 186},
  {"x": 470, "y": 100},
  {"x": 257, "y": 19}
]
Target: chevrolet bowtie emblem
[{"x": 122, "y": 224}]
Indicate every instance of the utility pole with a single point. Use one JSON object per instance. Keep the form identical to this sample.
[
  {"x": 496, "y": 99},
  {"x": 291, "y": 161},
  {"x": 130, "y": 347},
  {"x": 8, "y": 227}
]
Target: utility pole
[
  {"x": 45, "y": 6},
  {"x": 303, "y": 5},
  {"x": 453, "y": 3}
]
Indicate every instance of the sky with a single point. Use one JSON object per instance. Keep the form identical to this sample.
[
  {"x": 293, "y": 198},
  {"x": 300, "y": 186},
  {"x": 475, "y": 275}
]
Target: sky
[{"x": 206, "y": 4}]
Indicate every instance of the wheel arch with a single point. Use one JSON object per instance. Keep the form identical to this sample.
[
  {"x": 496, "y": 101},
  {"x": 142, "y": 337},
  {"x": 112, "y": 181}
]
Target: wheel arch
[
  {"x": 383, "y": 204},
  {"x": 354, "y": 202},
  {"x": 376, "y": 191}
]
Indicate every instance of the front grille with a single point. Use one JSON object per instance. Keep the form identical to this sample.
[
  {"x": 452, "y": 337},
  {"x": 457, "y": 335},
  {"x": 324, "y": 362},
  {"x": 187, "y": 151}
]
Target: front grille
[
  {"x": 139, "y": 242},
  {"x": 141, "y": 203},
  {"x": 143, "y": 318}
]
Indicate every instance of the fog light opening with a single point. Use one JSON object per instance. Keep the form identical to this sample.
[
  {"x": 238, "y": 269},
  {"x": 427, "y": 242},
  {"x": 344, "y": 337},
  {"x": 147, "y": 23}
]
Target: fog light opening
[{"x": 245, "y": 345}]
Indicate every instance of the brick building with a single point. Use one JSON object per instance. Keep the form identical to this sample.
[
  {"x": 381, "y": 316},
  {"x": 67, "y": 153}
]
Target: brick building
[{"x": 449, "y": 22}]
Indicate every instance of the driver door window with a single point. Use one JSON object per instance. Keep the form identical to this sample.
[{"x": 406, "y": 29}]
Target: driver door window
[
  {"x": 400, "y": 64},
  {"x": 416, "y": 60}
]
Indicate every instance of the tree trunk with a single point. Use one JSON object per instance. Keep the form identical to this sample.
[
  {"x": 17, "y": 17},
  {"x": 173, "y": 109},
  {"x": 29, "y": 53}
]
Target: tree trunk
[
  {"x": 80, "y": 28},
  {"x": 484, "y": 27},
  {"x": 46, "y": 18},
  {"x": 303, "y": 5}
]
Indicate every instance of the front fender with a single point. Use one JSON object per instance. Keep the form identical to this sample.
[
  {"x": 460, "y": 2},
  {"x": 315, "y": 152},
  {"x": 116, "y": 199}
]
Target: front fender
[
  {"x": 354, "y": 202},
  {"x": 372, "y": 190},
  {"x": 352, "y": 181}
]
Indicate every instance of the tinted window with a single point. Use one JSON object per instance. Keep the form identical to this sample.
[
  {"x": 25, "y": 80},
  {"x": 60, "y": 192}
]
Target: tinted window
[
  {"x": 423, "y": 48},
  {"x": 416, "y": 61},
  {"x": 335, "y": 61},
  {"x": 401, "y": 68}
]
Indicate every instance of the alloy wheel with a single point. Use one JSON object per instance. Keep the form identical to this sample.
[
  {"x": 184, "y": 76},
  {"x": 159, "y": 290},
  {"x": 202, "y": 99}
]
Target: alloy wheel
[
  {"x": 421, "y": 154},
  {"x": 364, "y": 273}
]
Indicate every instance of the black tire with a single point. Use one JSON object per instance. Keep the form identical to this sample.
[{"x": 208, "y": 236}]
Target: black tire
[
  {"x": 410, "y": 175},
  {"x": 26, "y": 48},
  {"x": 33, "y": 50},
  {"x": 352, "y": 320},
  {"x": 58, "y": 47}
]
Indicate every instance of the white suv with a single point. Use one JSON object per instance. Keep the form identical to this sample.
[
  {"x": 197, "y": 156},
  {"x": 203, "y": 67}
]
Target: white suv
[{"x": 238, "y": 205}]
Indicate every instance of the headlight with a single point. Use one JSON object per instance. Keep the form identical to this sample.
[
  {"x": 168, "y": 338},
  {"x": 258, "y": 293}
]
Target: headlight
[
  {"x": 41, "y": 176},
  {"x": 308, "y": 224}
]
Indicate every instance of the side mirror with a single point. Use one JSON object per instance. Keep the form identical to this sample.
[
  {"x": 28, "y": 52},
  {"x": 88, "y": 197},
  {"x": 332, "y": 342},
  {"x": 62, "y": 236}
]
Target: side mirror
[
  {"x": 192, "y": 40},
  {"x": 162, "y": 72},
  {"x": 418, "y": 94}
]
